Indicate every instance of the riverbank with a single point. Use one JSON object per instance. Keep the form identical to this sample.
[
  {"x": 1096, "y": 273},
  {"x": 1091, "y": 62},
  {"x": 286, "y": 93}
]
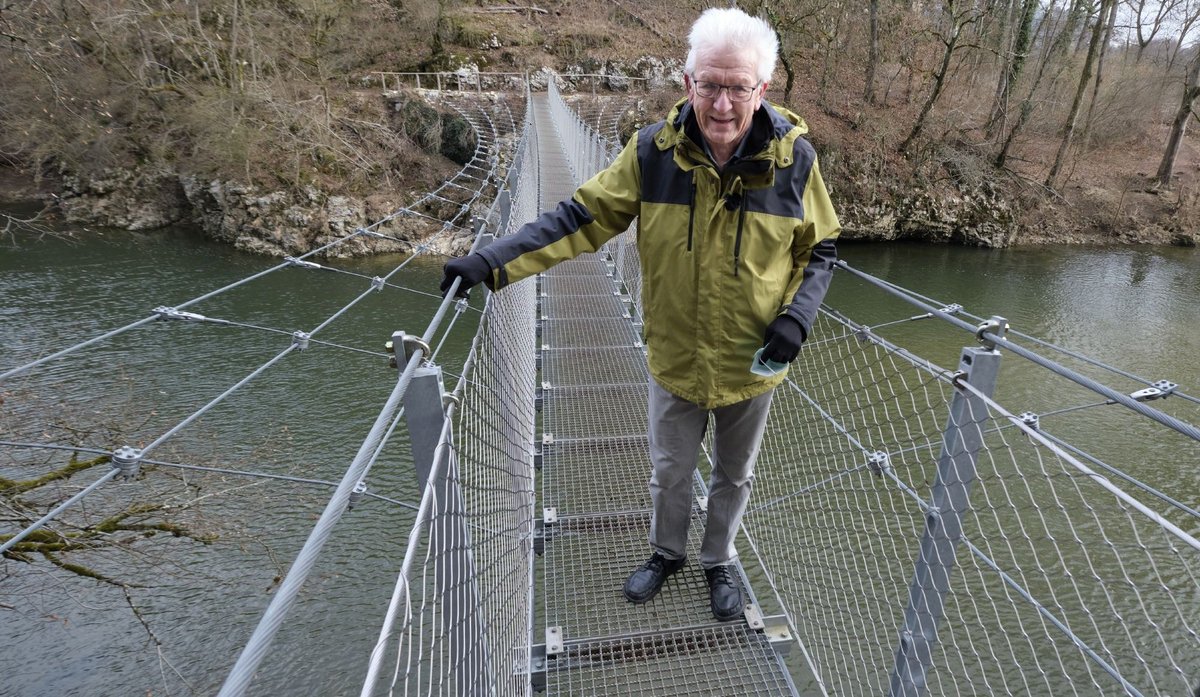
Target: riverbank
[{"x": 948, "y": 193}]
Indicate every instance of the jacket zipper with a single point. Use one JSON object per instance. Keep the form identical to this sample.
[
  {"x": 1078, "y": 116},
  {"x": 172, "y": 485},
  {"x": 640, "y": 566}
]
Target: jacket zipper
[
  {"x": 737, "y": 242},
  {"x": 691, "y": 211}
]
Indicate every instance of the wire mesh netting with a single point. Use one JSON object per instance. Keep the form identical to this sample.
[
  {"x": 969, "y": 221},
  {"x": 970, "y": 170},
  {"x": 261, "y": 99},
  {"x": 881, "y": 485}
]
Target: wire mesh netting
[
  {"x": 1054, "y": 586},
  {"x": 462, "y": 607}
]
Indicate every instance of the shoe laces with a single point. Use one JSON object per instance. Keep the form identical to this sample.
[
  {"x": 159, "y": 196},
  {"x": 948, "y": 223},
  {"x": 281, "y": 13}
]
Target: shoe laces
[
  {"x": 721, "y": 575},
  {"x": 656, "y": 562}
]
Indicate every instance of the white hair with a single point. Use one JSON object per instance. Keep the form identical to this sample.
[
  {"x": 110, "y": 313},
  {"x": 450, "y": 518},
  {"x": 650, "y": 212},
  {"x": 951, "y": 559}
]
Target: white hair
[{"x": 720, "y": 29}]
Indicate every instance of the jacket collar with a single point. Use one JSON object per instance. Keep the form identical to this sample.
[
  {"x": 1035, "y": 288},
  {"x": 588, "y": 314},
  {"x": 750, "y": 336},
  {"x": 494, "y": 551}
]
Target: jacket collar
[{"x": 767, "y": 145}]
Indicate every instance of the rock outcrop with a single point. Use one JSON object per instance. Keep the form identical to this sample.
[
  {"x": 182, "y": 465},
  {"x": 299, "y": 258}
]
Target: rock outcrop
[{"x": 976, "y": 218}]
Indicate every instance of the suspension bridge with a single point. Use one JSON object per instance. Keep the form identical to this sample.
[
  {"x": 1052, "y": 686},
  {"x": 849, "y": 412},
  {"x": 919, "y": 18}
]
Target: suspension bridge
[{"x": 911, "y": 532}]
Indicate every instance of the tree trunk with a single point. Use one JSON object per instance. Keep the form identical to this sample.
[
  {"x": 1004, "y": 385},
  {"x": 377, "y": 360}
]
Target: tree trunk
[
  {"x": 1108, "y": 33},
  {"x": 1191, "y": 90},
  {"x": 1077, "y": 102},
  {"x": 1009, "y": 76},
  {"x": 872, "y": 52},
  {"x": 939, "y": 81},
  {"x": 235, "y": 68},
  {"x": 791, "y": 75},
  {"x": 1058, "y": 48}
]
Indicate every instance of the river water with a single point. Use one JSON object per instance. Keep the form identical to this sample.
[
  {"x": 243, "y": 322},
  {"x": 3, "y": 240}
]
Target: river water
[{"x": 196, "y": 601}]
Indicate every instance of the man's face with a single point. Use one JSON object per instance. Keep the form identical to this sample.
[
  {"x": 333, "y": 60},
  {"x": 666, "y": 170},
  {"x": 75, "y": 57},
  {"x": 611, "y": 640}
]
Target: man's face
[{"x": 723, "y": 121}]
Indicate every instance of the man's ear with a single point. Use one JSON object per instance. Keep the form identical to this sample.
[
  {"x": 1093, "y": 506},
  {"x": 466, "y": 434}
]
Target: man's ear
[{"x": 762, "y": 95}]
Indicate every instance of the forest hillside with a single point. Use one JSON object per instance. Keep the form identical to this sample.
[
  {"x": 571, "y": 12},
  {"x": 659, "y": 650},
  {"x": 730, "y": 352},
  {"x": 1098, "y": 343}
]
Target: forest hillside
[{"x": 990, "y": 122}]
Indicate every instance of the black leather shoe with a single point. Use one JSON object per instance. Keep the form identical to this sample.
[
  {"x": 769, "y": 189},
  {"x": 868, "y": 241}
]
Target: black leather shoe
[
  {"x": 724, "y": 593},
  {"x": 647, "y": 579}
]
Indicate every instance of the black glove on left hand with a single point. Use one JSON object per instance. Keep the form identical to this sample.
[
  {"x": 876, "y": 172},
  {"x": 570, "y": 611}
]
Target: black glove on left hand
[
  {"x": 783, "y": 339},
  {"x": 472, "y": 269}
]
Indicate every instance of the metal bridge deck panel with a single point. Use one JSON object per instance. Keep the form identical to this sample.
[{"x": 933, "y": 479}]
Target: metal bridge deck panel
[
  {"x": 592, "y": 332},
  {"x": 584, "y": 265},
  {"x": 596, "y": 476},
  {"x": 591, "y": 558},
  {"x": 590, "y": 284},
  {"x": 591, "y": 412},
  {"x": 603, "y": 306},
  {"x": 728, "y": 660},
  {"x": 594, "y": 366}
]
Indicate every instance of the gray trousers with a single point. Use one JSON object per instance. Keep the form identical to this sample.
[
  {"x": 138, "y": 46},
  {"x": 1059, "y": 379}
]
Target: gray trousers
[{"x": 676, "y": 430}]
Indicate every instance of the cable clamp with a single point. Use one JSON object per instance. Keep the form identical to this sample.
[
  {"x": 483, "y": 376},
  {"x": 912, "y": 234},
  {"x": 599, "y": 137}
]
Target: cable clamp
[
  {"x": 952, "y": 309},
  {"x": 449, "y": 398},
  {"x": 300, "y": 340},
  {"x": 879, "y": 462},
  {"x": 293, "y": 261},
  {"x": 377, "y": 283},
  {"x": 1030, "y": 419},
  {"x": 412, "y": 342},
  {"x": 127, "y": 459},
  {"x": 1160, "y": 390},
  {"x": 994, "y": 325},
  {"x": 165, "y": 313},
  {"x": 356, "y": 495}
]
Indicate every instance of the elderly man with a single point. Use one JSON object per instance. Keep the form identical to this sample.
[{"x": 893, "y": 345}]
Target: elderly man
[{"x": 736, "y": 239}]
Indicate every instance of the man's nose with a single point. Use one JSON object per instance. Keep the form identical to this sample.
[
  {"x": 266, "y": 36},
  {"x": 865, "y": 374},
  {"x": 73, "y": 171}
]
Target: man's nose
[{"x": 723, "y": 102}]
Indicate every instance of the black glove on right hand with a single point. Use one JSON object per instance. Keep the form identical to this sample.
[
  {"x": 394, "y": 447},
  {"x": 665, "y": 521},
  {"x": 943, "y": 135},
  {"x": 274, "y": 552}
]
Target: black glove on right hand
[
  {"x": 472, "y": 269},
  {"x": 782, "y": 341}
]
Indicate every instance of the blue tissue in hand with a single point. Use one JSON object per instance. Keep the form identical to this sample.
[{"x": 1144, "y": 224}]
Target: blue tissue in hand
[{"x": 765, "y": 368}]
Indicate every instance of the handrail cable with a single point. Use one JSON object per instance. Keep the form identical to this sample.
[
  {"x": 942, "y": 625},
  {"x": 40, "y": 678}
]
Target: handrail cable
[
  {"x": 12, "y": 541},
  {"x": 1167, "y": 420},
  {"x": 202, "y": 468},
  {"x": 1041, "y": 342}
]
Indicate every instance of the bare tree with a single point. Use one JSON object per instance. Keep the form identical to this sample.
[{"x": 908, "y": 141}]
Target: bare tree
[
  {"x": 1110, "y": 27},
  {"x": 792, "y": 22},
  {"x": 956, "y": 17},
  {"x": 1188, "y": 15},
  {"x": 1085, "y": 78},
  {"x": 1149, "y": 19},
  {"x": 872, "y": 51},
  {"x": 1011, "y": 71},
  {"x": 1191, "y": 90},
  {"x": 1056, "y": 50}
]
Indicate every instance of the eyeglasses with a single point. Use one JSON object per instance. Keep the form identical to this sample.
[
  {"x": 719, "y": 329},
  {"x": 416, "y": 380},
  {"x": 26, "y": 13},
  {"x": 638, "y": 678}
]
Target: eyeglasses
[{"x": 737, "y": 93}]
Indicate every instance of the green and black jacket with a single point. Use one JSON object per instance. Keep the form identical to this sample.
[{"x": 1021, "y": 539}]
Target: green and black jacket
[{"x": 722, "y": 252}]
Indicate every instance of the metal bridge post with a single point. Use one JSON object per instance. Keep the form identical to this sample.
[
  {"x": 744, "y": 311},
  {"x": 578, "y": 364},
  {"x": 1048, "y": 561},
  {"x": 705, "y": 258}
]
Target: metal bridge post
[
  {"x": 935, "y": 562},
  {"x": 505, "y": 206},
  {"x": 462, "y": 623}
]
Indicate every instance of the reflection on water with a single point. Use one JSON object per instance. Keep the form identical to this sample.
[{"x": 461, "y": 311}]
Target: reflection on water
[{"x": 1135, "y": 308}]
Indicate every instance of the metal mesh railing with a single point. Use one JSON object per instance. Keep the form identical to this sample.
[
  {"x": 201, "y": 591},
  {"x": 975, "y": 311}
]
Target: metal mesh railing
[
  {"x": 460, "y": 618},
  {"x": 924, "y": 540}
]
